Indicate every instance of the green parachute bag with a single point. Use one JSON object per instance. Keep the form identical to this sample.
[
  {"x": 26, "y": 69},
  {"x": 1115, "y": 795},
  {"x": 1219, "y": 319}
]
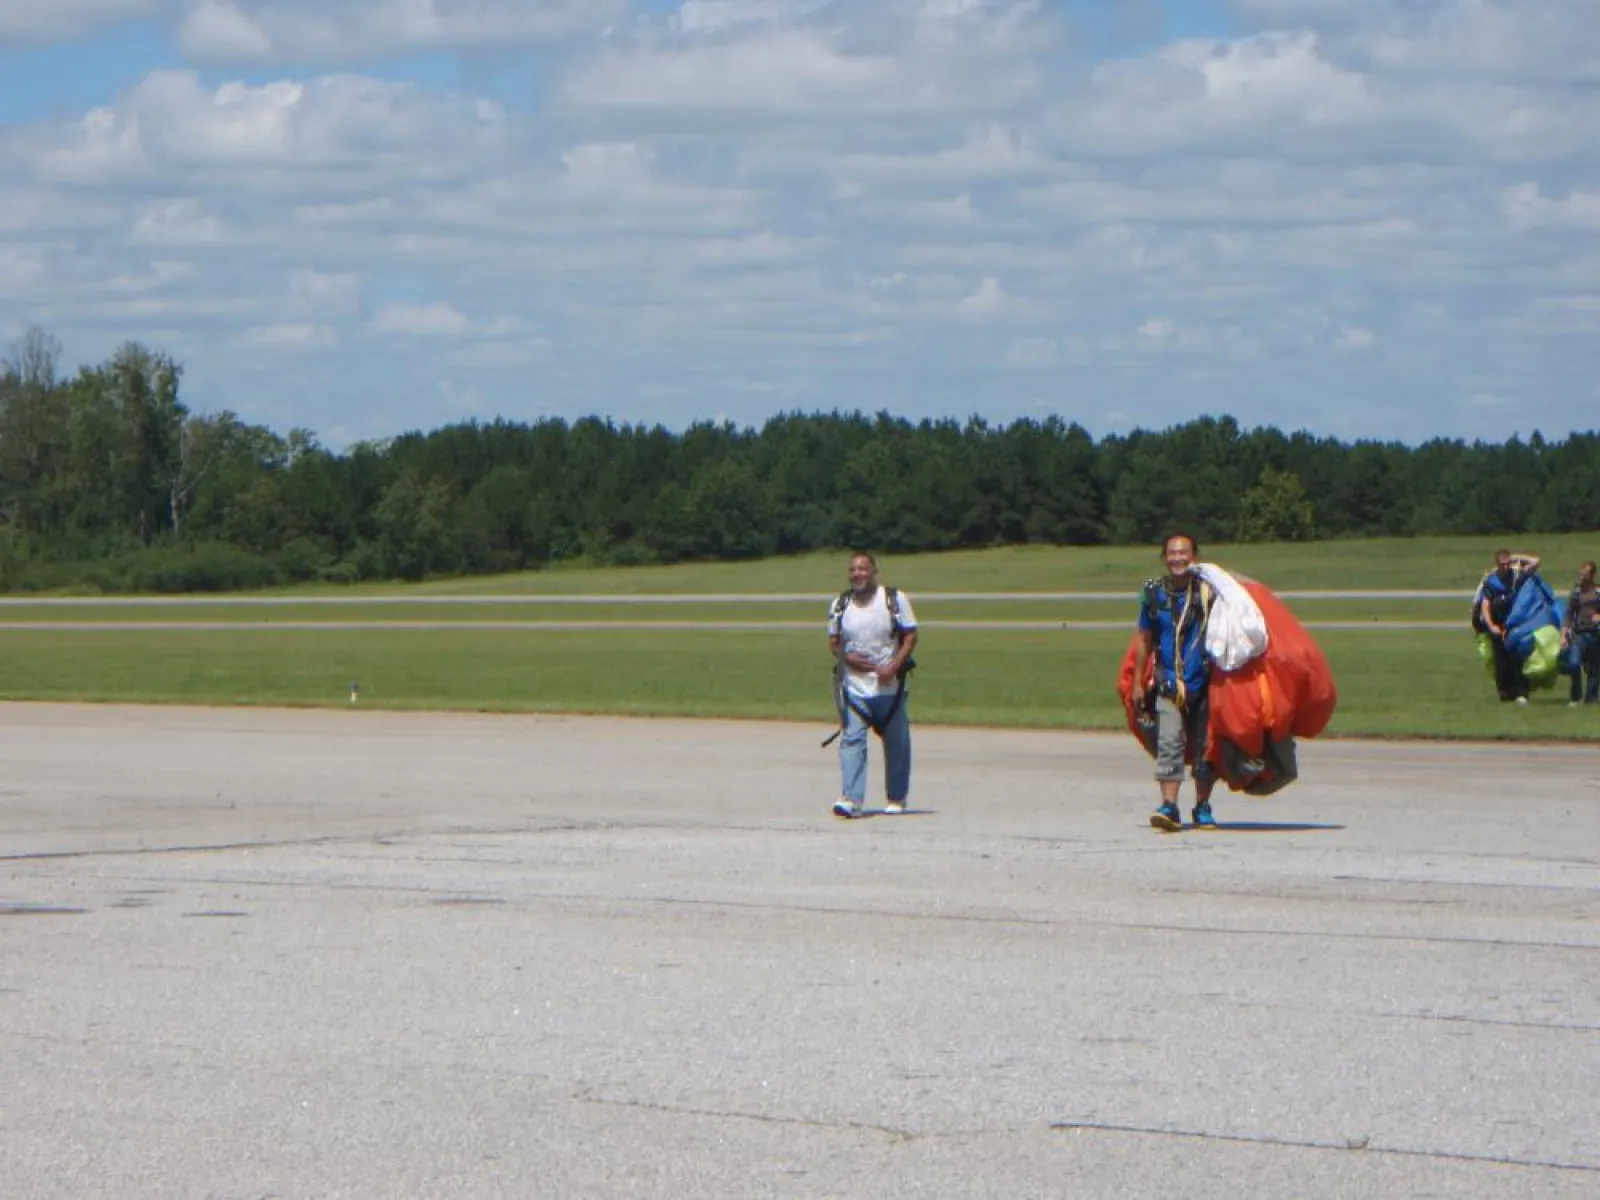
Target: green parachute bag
[{"x": 1543, "y": 663}]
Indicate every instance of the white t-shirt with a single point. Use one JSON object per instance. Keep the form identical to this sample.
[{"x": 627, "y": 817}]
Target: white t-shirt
[{"x": 868, "y": 630}]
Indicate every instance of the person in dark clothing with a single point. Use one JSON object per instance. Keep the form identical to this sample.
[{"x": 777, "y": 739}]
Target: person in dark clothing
[
  {"x": 1580, "y": 636},
  {"x": 1499, "y": 592}
]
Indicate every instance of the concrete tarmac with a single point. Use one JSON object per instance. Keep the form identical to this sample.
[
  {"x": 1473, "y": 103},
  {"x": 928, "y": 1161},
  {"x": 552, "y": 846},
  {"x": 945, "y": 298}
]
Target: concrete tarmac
[{"x": 253, "y": 953}]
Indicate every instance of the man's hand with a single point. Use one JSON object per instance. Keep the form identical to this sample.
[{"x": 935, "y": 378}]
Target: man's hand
[
  {"x": 888, "y": 671},
  {"x": 1138, "y": 694}
]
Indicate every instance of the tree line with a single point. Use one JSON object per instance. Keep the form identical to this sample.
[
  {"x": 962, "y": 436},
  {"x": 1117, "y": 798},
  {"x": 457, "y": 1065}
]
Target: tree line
[{"x": 107, "y": 479}]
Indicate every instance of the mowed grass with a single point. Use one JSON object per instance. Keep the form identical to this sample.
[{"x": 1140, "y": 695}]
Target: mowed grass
[
  {"x": 1424, "y": 683},
  {"x": 1384, "y": 563},
  {"x": 1454, "y": 564},
  {"x": 423, "y": 609},
  {"x": 1393, "y": 683}
]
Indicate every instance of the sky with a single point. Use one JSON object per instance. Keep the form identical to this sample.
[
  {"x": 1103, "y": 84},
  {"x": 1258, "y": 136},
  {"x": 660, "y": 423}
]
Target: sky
[{"x": 1364, "y": 218}]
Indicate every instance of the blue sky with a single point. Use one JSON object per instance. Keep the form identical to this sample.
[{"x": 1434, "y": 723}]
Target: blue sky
[{"x": 1360, "y": 217}]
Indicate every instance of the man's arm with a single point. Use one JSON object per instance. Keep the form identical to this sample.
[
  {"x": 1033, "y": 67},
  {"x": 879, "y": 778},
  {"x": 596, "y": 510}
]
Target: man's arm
[
  {"x": 1486, "y": 611},
  {"x": 1525, "y": 562},
  {"x": 1141, "y": 658},
  {"x": 895, "y": 665}
]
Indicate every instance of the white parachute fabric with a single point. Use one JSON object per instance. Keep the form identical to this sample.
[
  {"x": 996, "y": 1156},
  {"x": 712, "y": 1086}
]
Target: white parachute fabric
[{"x": 1237, "y": 632}]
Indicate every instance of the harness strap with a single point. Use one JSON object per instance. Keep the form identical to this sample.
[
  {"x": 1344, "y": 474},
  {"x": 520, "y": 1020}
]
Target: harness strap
[
  {"x": 1181, "y": 691},
  {"x": 842, "y": 698}
]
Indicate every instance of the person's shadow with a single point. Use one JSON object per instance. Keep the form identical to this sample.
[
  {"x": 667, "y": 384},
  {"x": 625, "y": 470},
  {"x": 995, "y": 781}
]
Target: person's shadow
[{"x": 868, "y": 813}]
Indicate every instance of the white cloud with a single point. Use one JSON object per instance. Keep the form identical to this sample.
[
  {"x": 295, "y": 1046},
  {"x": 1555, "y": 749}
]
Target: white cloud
[
  {"x": 719, "y": 16},
  {"x": 316, "y": 31},
  {"x": 948, "y": 58},
  {"x": 779, "y": 202},
  {"x": 464, "y": 399},
  {"x": 171, "y": 122},
  {"x": 220, "y": 31},
  {"x": 292, "y": 335},
  {"x": 20, "y": 274},
  {"x": 1527, "y": 207},
  {"x": 1354, "y": 338},
  {"x": 988, "y": 300},
  {"x": 419, "y": 320},
  {"x": 1047, "y": 353},
  {"x": 1295, "y": 95},
  {"x": 1208, "y": 93},
  {"x": 176, "y": 221},
  {"x": 326, "y": 294},
  {"x": 1548, "y": 41},
  {"x": 1556, "y": 316},
  {"x": 24, "y": 22}
]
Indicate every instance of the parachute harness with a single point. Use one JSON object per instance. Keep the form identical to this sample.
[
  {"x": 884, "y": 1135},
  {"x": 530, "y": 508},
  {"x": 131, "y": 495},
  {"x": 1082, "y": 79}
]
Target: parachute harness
[{"x": 1181, "y": 692}]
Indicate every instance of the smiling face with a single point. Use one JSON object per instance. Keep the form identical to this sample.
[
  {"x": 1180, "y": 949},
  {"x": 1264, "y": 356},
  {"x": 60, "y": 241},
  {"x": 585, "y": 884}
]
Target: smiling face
[
  {"x": 863, "y": 574},
  {"x": 1179, "y": 555}
]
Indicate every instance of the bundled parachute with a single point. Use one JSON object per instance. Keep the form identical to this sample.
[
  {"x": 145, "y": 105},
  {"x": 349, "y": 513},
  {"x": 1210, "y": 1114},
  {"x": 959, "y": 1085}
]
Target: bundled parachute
[
  {"x": 1269, "y": 685},
  {"x": 1533, "y": 630}
]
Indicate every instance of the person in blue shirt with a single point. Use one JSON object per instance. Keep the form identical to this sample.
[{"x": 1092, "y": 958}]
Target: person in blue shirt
[
  {"x": 1499, "y": 591},
  {"x": 1172, "y": 626}
]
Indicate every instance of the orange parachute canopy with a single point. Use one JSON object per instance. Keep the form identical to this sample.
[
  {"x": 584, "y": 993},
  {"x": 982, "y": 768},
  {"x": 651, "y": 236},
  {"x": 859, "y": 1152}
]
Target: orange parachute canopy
[{"x": 1257, "y": 711}]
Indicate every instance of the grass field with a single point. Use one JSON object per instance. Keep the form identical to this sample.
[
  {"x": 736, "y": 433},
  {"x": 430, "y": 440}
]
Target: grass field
[
  {"x": 1425, "y": 683},
  {"x": 1400, "y": 563},
  {"x": 931, "y": 611}
]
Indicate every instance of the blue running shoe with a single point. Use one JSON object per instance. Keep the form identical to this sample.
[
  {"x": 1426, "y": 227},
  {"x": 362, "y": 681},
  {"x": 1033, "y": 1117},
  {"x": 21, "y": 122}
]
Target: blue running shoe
[
  {"x": 1202, "y": 816},
  {"x": 1167, "y": 818}
]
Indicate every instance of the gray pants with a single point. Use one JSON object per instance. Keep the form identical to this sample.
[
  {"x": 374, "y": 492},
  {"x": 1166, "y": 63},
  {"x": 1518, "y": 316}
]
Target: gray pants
[{"x": 1177, "y": 729}]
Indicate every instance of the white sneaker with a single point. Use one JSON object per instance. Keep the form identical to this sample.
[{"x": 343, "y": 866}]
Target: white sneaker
[
  {"x": 843, "y": 808},
  {"x": 894, "y": 806},
  {"x": 1522, "y": 699}
]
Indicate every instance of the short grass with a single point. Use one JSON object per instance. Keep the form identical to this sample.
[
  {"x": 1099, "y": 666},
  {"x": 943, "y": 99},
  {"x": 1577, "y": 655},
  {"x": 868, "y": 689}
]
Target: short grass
[
  {"x": 1422, "y": 684},
  {"x": 1394, "y": 563},
  {"x": 414, "y": 609}
]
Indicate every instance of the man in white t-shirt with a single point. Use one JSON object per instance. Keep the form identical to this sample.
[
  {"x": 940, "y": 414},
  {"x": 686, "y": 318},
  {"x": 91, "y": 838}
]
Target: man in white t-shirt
[{"x": 872, "y": 632}]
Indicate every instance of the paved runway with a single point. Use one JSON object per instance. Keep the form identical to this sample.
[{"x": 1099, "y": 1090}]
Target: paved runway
[{"x": 255, "y": 953}]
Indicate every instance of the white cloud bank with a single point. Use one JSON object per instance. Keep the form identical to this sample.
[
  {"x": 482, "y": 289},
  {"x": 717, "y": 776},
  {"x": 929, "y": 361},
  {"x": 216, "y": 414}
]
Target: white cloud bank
[{"x": 1357, "y": 217}]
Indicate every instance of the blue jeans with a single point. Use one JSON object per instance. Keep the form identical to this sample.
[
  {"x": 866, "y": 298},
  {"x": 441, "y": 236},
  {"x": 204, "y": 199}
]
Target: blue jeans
[
  {"x": 1585, "y": 651},
  {"x": 896, "y": 748}
]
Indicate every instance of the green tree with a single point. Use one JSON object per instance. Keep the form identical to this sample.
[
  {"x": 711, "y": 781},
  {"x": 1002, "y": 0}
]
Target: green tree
[
  {"x": 1276, "y": 509},
  {"x": 415, "y": 529}
]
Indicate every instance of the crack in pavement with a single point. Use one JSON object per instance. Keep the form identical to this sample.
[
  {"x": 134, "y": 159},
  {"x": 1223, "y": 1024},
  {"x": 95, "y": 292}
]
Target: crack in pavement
[
  {"x": 1358, "y": 1146},
  {"x": 675, "y": 1110},
  {"x": 1443, "y": 1018},
  {"x": 1362, "y": 1145},
  {"x": 373, "y": 839},
  {"x": 1162, "y": 927}
]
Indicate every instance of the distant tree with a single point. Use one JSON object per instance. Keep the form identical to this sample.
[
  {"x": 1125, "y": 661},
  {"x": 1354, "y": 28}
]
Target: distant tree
[{"x": 1276, "y": 509}]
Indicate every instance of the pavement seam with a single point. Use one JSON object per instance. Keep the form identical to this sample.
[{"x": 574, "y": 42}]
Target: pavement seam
[{"x": 1351, "y": 1145}]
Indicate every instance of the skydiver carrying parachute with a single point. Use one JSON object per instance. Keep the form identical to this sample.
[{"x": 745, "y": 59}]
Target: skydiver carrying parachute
[
  {"x": 1515, "y": 616},
  {"x": 1220, "y": 675}
]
